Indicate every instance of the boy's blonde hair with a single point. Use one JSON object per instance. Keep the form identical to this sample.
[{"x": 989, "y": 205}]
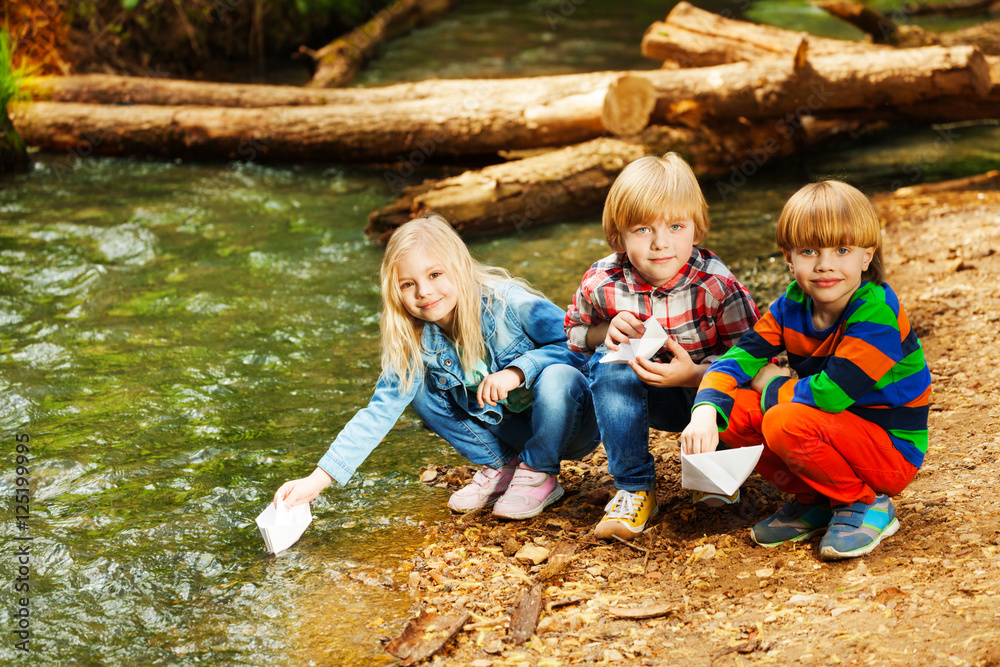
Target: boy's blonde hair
[
  {"x": 401, "y": 332},
  {"x": 831, "y": 214},
  {"x": 650, "y": 189}
]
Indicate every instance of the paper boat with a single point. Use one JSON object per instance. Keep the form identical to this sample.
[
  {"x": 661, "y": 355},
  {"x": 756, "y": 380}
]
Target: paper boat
[
  {"x": 281, "y": 528},
  {"x": 645, "y": 347},
  {"x": 721, "y": 471}
]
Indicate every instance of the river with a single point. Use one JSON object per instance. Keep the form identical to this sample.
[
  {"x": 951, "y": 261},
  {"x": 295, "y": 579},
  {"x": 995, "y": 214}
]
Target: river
[{"x": 179, "y": 338}]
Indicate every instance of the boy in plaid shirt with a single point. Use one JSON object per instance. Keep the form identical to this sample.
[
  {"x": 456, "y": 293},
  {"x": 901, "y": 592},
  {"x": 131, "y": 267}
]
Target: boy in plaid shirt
[{"x": 654, "y": 217}]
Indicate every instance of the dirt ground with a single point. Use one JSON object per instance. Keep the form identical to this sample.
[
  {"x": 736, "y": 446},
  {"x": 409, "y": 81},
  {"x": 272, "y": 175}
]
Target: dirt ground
[{"x": 930, "y": 595}]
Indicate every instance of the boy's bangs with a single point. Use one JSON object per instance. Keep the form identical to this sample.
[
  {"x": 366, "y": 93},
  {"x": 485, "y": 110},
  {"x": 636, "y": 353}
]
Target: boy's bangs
[
  {"x": 670, "y": 201},
  {"x": 828, "y": 217}
]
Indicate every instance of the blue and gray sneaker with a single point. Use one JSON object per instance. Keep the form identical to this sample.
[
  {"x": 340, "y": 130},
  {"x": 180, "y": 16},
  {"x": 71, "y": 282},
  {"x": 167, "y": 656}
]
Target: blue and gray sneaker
[
  {"x": 858, "y": 528},
  {"x": 793, "y": 522}
]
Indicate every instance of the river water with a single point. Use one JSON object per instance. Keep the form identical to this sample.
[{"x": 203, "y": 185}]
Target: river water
[{"x": 178, "y": 339}]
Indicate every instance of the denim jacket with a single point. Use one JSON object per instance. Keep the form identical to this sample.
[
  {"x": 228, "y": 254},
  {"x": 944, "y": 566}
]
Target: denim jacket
[{"x": 521, "y": 330}]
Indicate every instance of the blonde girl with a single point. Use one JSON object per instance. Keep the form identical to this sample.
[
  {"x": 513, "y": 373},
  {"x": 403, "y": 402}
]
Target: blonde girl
[{"x": 483, "y": 361}]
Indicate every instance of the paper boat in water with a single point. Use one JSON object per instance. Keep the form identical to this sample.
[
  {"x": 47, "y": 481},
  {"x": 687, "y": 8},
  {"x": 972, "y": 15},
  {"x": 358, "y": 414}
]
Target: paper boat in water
[
  {"x": 721, "y": 471},
  {"x": 645, "y": 347},
  {"x": 281, "y": 528}
]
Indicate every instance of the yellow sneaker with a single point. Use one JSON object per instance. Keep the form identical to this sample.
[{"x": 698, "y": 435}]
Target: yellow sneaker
[
  {"x": 715, "y": 499},
  {"x": 626, "y": 515}
]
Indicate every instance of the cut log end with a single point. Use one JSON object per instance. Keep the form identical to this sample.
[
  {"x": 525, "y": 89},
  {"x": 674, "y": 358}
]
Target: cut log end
[{"x": 628, "y": 106}]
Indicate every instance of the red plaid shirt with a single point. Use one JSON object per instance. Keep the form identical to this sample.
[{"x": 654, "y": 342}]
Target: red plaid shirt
[{"x": 703, "y": 307}]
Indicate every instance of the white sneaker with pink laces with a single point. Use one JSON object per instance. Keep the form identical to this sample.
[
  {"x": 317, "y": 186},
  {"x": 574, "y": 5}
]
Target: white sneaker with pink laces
[
  {"x": 528, "y": 494},
  {"x": 485, "y": 489}
]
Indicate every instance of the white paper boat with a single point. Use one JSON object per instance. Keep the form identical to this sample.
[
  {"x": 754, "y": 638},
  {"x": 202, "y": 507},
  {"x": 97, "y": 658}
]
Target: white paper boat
[
  {"x": 721, "y": 471},
  {"x": 645, "y": 347},
  {"x": 281, "y": 528}
]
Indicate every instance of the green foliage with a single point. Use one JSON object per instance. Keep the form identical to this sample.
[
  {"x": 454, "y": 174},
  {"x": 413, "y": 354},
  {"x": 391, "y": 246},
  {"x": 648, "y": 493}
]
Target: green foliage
[{"x": 11, "y": 78}]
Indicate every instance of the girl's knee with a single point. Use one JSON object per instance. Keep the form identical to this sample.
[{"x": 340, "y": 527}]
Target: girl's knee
[{"x": 560, "y": 379}]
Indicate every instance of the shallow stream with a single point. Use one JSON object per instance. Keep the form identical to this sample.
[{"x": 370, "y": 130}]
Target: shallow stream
[{"x": 177, "y": 339}]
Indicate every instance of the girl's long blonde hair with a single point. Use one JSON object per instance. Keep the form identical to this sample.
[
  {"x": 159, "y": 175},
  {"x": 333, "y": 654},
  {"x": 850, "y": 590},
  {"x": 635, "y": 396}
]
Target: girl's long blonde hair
[
  {"x": 401, "y": 332},
  {"x": 829, "y": 214}
]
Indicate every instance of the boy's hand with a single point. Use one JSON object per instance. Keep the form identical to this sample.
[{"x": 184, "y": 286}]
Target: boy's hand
[
  {"x": 701, "y": 434},
  {"x": 764, "y": 375},
  {"x": 623, "y": 327},
  {"x": 303, "y": 490},
  {"x": 496, "y": 386},
  {"x": 679, "y": 372}
]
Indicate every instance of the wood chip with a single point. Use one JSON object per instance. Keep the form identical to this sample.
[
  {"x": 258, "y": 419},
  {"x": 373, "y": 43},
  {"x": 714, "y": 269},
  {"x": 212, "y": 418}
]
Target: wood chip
[
  {"x": 524, "y": 620},
  {"x": 649, "y": 611},
  {"x": 424, "y": 635}
]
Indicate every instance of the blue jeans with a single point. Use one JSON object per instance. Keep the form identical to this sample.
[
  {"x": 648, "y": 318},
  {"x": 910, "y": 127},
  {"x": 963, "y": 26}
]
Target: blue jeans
[
  {"x": 559, "y": 425},
  {"x": 626, "y": 407}
]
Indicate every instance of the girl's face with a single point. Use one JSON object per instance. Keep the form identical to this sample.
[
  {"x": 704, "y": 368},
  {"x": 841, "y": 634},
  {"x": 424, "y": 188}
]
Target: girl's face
[
  {"x": 830, "y": 276},
  {"x": 426, "y": 289}
]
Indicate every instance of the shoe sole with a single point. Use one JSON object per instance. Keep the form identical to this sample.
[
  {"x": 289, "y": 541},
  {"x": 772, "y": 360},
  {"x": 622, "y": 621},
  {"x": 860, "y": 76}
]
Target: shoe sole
[
  {"x": 556, "y": 494},
  {"x": 623, "y": 530},
  {"x": 797, "y": 538},
  {"x": 472, "y": 509},
  {"x": 715, "y": 500},
  {"x": 829, "y": 553}
]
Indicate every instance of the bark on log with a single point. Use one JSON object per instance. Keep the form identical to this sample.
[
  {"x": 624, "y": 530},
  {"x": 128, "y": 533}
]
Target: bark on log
[
  {"x": 576, "y": 179},
  {"x": 985, "y": 36},
  {"x": 954, "y": 9},
  {"x": 110, "y": 89},
  {"x": 776, "y": 87},
  {"x": 338, "y": 62},
  {"x": 543, "y": 112},
  {"x": 692, "y": 37}
]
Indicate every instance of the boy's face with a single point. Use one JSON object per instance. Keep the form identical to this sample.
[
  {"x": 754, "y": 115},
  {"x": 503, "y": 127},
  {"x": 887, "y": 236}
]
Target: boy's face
[
  {"x": 658, "y": 250},
  {"x": 830, "y": 276}
]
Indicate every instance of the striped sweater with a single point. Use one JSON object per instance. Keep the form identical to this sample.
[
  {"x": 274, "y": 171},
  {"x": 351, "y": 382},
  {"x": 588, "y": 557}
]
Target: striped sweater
[{"x": 869, "y": 363}]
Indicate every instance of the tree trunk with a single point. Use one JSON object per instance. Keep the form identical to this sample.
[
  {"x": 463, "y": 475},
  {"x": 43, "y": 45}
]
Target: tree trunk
[
  {"x": 13, "y": 155},
  {"x": 692, "y": 37},
  {"x": 338, "y": 62},
  {"x": 576, "y": 179},
  {"x": 882, "y": 29},
  {"x": 514, "y": 195},
  {"x": 781, "y": 86},
  {"x": 411, "y": 131},
  {"x": 109, "y": 89}
]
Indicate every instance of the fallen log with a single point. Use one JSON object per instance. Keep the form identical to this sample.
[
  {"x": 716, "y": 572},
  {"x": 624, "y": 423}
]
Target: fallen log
[
  {"x": 563, "y": 183},
  {"x": 338, "y": 62},
  {"x": 956, "y": 9},
  {"x": 780, "y": 86},
  {"x": 111, "y": 89},
  {"x": 985, "y": 36},
  {"x": 543, "y": 112},
  {"x": 692, "y": 37}
]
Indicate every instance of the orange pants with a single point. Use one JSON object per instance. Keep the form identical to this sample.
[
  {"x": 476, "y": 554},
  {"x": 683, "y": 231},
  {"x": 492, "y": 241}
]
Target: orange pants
[{"x": 815, "y": 454}]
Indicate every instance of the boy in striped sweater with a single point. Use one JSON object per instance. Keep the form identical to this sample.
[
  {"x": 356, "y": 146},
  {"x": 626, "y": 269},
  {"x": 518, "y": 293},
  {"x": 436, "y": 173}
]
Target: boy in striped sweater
[{"x": 851, "y": 431}]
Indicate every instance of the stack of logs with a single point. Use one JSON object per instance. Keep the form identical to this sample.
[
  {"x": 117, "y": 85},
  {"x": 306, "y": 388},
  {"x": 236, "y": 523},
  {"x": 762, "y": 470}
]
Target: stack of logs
[{"x": 730, "y": 94}]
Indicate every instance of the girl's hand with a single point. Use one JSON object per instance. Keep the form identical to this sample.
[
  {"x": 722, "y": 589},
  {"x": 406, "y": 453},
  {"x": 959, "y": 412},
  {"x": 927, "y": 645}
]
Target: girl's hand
[
  {"x": 701, "y": 434},
  {"x": 302, "y": 490},
  {"x": 623, "y": 327},
  {"x": 680, "y": 372},
  {"x": 496, "y": 386},
  {"x": 764, "y": 375}
]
